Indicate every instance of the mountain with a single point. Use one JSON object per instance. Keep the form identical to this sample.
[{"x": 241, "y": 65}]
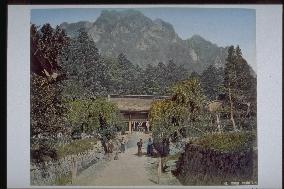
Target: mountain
[
  {"x": 206, "y": 53},
  {"x": 73, "y": 28},
  {"x": 146, "y": 41}
]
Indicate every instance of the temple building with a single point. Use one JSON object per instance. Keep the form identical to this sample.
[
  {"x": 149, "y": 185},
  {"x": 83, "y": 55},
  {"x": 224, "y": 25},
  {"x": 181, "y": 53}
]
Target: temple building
[{"x": 135, "y": 109}]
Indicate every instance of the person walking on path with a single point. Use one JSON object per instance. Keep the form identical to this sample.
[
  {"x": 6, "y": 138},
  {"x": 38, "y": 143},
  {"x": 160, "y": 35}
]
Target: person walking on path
[
  {"x": 150, "y": 147},
  {"x": 147, "y": 127},
  {"x": 122, "y": 145},
  {"x": 110, "y": 146},
  {"x": 139, "y": 145}
]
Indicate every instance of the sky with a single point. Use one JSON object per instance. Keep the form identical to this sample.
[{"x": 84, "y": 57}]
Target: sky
[{"x": 222, "y": 26}]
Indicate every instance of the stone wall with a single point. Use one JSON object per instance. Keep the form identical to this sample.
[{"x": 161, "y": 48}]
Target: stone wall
[
  {"x": 48, "y": 173},
  {"x": 201, "y": 166}
]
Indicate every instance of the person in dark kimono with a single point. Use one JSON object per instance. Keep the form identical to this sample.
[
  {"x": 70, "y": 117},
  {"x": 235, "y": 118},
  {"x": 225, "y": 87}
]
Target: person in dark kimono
[
  {"x": 139, "y": 145},
  {"x": 110, "y": 146},
  {"x": 122, "y": 145},
  {"x": 150, "y": 147}
]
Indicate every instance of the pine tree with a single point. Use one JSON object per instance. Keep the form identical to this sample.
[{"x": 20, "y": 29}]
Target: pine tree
[
  {"x": 150, "y": 80},
  {"x": 175, "y": 73},
  {"x": 128, "y": 76},
  {"x": 246, "y": 84},
  {"x": 87, "y": 73},
  {"x": 194, "y": 75},
  {"x": 46, "y": 45},
  {"x": 46, "y": 106},
  {"x": 240, "y": 85},
  {"x": 230, "y": 81},
  {"x": 161, "y": 78},
  {"x": 211, "y": 81}
]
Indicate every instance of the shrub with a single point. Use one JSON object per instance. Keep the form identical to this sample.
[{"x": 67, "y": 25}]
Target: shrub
[
  {"x": 75, "y": 147},
  {"x": 227, "y": 142},
  {"x": 218, "y": 158}
]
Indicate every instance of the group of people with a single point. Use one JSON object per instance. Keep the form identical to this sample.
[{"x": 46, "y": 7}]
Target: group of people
[
  {"x": 140, "y": 126},
  {"x": 122, "y": 147},
  {"x": 111, "y": 146},
  {"x": 139, "y": 145},
  {"x": 149, "y": 147}
]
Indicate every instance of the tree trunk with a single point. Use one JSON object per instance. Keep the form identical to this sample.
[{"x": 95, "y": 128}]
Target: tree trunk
[
  {"x": 218, "y": 123},
  {"x": 231, "y": 107}
]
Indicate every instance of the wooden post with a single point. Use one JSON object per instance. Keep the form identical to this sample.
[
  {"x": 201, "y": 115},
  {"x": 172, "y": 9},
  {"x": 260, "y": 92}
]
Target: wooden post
[
  {"x": 129, "y": 124},
  {"x": 73, "y": 169},
  {"x": 159, "y": 169}
]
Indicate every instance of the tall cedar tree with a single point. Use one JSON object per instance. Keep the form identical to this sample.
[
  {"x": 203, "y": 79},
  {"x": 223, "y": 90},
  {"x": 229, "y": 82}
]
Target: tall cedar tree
[
  {"x": 46, "y": 106},
  {"x": 86, "y": 71},
  {"x": 230, "y": 81},
  {"x": 211, "y": 81},
  {"x": 240, "y": 85}
]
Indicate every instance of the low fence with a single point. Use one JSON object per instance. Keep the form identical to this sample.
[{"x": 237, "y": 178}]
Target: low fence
[{"x": 49, "y": 173}]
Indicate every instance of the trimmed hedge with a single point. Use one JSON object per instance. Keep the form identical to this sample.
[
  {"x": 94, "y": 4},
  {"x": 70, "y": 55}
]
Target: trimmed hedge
[
  {"x": 227, "y": 142},
  {"x": 218, "y": 158}
]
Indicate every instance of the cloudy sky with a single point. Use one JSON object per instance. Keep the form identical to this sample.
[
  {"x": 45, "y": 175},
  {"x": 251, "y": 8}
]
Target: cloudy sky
[{"x": 223, "y": 27}]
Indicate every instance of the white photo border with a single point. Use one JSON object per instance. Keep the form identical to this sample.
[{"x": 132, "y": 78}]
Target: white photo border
[{"x": 269, "y": 92}]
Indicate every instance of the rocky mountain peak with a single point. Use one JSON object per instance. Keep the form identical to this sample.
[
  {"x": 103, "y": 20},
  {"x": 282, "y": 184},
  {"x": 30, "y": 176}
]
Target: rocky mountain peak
[
  {"x": 146, "y": 41},
  {"x": 73, "y": 28}
]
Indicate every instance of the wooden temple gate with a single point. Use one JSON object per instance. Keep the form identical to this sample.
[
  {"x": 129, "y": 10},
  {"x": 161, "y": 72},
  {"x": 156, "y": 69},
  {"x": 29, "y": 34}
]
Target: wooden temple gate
[
  {"x": 132, "y": 117},
  {"x": 134, "y": 108}
]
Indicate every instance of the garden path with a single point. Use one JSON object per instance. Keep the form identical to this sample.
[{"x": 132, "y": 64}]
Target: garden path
[{"x": 128, "y": 170}]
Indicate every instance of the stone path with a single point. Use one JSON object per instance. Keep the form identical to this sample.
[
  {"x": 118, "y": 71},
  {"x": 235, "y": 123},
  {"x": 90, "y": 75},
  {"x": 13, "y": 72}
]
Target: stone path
[{"x": 128, "y": 170}]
